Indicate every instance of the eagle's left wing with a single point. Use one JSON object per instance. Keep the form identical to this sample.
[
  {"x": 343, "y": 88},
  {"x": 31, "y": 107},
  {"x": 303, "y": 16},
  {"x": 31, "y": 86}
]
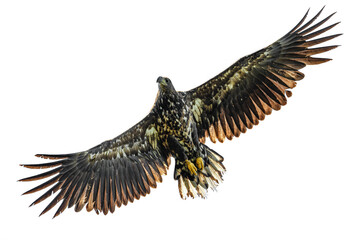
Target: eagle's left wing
[
  {"x": 111, "y": 174},
  {"x": 243, "y": 94}
]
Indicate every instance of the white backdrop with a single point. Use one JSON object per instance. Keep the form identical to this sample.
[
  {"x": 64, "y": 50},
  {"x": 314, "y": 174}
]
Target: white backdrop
[{"x": 76, "y": 73}]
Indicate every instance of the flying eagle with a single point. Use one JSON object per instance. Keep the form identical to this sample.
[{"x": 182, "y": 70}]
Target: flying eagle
[{"x": 124, "y": 168}]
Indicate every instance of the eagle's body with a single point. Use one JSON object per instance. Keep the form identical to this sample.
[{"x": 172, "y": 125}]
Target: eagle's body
[
  {"x": 124, "y": 168},
  {"x": 177, "y": 131}
]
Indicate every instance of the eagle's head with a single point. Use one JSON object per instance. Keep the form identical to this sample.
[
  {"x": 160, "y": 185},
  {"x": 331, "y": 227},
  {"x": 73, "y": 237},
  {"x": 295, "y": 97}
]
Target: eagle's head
[{"x": 165, "y": 84}]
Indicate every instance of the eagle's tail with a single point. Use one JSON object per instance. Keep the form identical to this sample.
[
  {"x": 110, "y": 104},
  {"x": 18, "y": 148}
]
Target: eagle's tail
[{"x": 209, "y": 176}]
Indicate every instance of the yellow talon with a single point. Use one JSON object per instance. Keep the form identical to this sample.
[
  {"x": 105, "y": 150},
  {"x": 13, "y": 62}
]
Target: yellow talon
[
  {"x": 200, "y": 163},
  {"x": 191, "y": 167}
]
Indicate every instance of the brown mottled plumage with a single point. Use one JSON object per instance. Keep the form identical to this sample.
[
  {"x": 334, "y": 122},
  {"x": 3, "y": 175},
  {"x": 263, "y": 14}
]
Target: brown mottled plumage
[{"x": 122, "y": 169}]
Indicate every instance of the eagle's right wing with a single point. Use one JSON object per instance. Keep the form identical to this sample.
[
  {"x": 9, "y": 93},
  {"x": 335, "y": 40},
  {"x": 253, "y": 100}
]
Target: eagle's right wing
[
  {"x": 239, "y": 97},
  {"x": 112, "y": 173}
]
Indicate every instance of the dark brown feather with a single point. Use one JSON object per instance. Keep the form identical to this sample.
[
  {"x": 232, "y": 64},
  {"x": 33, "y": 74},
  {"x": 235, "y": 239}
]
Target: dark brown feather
[
  {"x": 310, "y": 21},
  {"x": 319, "y": 40},
  {"x": 66, "y": 198},
  {"x": 57, "y": 198},
  {"x": 314, "y": 34},
  {"x": 313, "y": 51},
  {"x": 43, "y": 165},
  {"x": 42, "y": 175},
  {"x": 43, "y": 185}
]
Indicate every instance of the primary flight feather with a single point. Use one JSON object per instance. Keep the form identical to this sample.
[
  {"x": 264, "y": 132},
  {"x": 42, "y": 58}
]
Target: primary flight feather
[{"x": 120, "y": 170}]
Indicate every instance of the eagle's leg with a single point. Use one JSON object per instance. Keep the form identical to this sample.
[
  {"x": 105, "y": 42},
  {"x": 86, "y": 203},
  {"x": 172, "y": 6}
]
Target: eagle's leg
[
  {"x": 199, "y": 162},
  {"x": 184, "y": 162},
  {"x": 191, "y": 167}
]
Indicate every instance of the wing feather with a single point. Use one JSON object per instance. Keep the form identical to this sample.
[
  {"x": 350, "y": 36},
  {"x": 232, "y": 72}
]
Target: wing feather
[
  {"x": 111, "y": 174},
  {"x": 242, "y": 95}
]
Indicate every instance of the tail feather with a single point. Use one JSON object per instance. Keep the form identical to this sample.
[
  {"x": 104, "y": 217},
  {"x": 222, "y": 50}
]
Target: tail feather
[{"x": 209, "y": 177}]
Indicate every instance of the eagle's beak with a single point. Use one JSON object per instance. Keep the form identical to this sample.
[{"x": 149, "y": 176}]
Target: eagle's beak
[
  {"x": 162, "y": 81},
  {"x": 159, "y": 79}
]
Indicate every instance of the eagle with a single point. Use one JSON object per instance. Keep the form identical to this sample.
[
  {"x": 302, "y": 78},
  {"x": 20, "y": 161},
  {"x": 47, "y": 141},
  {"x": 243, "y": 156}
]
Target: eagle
[{"x": 123, "y": 169}]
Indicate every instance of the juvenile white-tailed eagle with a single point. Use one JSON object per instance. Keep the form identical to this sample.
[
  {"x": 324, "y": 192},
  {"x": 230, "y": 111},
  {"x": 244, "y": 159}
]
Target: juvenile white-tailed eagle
[{"x": 120, "y": 170}]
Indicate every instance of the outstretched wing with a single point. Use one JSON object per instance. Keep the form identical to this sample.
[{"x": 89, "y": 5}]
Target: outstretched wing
[
  {"x": 241, "y": 96},
  {"x": 108, "y": 175}
]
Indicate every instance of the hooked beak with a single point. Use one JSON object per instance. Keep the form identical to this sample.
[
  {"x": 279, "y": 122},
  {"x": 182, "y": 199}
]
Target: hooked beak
[{"x": 161, "y": 81}]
